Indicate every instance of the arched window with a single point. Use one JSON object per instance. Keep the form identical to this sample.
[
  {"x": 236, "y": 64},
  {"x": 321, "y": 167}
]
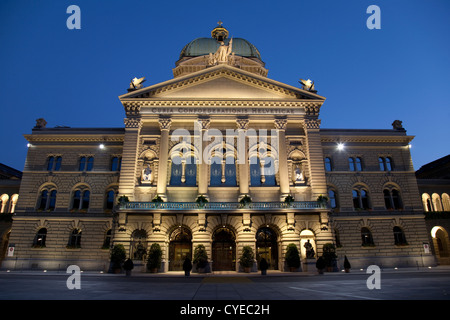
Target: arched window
[
  {"x": 116, "y": 163},
  {"x": 358, "y": 164},
  {"x": 399, "y": 236},
  {"x": 58, "y": 162},
  {"x": 333, "y": 199},
  {"x": 328, "y": 166},
  {"x": 110, "y": 195},
  {"x": 216, "y": 171},
  {"x": 230, "y": 172},
  {"x": 81, "y": 199},
  {"x": 74, "y": 239},
  {"x": 436, "y": 202},
  {"x": 50, "y": 162},
  {"x": 90, "y": 164},
  {"x": 351, "y": 164},
  {"x": 255, "y": 172},
  {"x": 191, "y": 171},
  {"x": 47, "y": 200},
  {"x": 360, "y": 198},
  {"x": 385, "y": 163},
  {"x": 39, "y": 239},
  {"x": 366, "y": 237},
  {"x": 82, "y": 164},
  {"x": 269, "y": 172},
  {"x": 107, "y": 241},
  {"x": 445, "y": 202},
  {"x": 176, "y": 171}
]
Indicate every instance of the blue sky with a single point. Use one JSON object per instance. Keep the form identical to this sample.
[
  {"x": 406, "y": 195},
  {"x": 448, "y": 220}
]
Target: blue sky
[{"x": 369, "y": 77}]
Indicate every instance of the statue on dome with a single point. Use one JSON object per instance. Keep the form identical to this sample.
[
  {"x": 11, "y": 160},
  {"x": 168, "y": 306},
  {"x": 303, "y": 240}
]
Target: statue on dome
[{"x": 223, "y": 52}]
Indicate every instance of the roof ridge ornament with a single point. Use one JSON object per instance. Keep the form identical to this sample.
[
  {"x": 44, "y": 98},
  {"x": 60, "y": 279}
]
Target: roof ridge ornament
[{"x": 308, "y": 85}]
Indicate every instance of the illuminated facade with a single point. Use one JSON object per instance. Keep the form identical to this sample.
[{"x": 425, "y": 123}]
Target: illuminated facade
[{"x": 223, "y": 131}]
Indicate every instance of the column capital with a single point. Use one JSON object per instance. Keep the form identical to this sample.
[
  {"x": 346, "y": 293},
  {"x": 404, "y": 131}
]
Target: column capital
[
  {"x": 280, "y": 124},
  {"x": 133, "y": 123},
  {"x": 204, "y": 123},
  {"x": 242, "y": 124},
  {"x": 164, "y": 123}
]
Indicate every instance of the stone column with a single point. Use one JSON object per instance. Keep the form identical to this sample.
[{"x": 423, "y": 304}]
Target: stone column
[
  {"x": 164, "y": 125},
  {"x": 127, "y": 180},
  {"x": 242, "y": 157},
  {"x": 203, "y": 125},
  {"x": 280, "y": 126}
]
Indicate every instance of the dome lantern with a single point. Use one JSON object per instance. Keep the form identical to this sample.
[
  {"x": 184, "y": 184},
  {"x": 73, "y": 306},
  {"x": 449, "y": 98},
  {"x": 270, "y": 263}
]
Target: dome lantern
[{"x": 219, "y": 33}]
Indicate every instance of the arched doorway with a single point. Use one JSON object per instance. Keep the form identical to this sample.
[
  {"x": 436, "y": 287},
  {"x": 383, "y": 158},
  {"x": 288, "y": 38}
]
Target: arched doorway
[
  {"x": 267, "y": 247},
  {"x": 138, "y": 245},
  {"x": 224, "y": 250},
  {"x": 180, "y": 247},
  {"x": 441, "y": 244}
]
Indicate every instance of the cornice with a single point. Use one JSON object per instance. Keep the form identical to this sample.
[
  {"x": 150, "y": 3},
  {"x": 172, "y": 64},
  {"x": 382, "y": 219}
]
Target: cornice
[
  {"x": 73, "y": 138},
  {"x": 365, "y": 139},
  {"x": 136, "y": 105}
]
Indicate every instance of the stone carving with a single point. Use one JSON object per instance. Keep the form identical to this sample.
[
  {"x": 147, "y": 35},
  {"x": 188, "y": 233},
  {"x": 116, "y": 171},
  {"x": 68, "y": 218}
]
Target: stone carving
[
  {"x": 137, "y": 83},
  {"x": 147, "y": 175},
  {"x": 312, "y": 123},
  {"x": 132, "y": 123},
  {"x": 397, "y": 125},
  {"x": 299, "y": 175},
  {"x": 223, "y": 54},
  {"x": 308, "y": 85},
  {"x": 242, "y": 124},
  {"x": 280, "y": 124},
  {"x": 309, "y": 250},
  {"x": 40, "y": 123}
]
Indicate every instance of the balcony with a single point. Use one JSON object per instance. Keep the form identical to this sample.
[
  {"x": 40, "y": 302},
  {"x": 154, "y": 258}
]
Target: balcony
[{"x": 221, "y": 206}]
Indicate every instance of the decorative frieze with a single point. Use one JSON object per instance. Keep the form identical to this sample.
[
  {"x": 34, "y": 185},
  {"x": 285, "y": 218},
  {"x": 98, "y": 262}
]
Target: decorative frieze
[
  {"x": 280, "y": 124},
  {"x": 133, "y": 123},
  {"x": 312, "y": 123}
]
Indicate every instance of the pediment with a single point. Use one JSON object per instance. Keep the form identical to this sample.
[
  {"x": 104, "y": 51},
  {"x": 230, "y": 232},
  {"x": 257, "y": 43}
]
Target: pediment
[{"x": 221, "y": 82}]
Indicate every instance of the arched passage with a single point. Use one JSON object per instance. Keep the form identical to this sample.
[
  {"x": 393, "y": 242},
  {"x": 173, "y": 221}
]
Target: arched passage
[
  {"x": 441, "y": 244},
  {"x": 224, "y": 250},
  {"x": 267, "y": 247},
  {"x": 180, "y": 247}
]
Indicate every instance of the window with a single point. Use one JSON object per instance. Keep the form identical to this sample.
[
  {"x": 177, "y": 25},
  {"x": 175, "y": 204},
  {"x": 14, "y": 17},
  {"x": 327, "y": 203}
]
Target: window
[
  {"x": 366, "y": 237},
  {"x": 39, "y": 239},
  {"x": 86, "y": 163},
  {"x": 110, "y": 195},
  {"x": 75, "y": 239},
  {"x": 392, "y": 200},
  {"x": 269, "y": 172},
  {"x": 81, "y": 199},
  {"x": 54, "y": 163},
  {"x": 47, "y": 200},
  {"x": 255, "y": 172},
  {"x": 360, "y": 199},
  {"x": 385, "y": 163},
  {"x": 332, "y": 198},
  {"x": 399, "y": 236},
  {"x": 107, "y": 241},
  {"x": 328, "y": 164},
  {"x": 116, "y": 163},
  {"x": 351, "y": 163},
  {"x": 50, "y": 162},
  {"x": 216, "y": 171},
  {"x": 230, "y": 171},
  {"x": 358, "y": 164}
]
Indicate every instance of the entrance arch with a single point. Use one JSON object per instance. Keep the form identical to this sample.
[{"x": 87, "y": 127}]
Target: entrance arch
[
  {"x": 441, "y": 244},
  {"x": 180, "y": 247},
  {"x": 224, "y": 250},
  {"x": 267, "y": 247}
]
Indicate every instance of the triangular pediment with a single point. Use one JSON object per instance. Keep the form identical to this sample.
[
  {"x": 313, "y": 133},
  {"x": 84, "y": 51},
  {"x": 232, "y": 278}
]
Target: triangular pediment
[{"x": 221, "y": 82}]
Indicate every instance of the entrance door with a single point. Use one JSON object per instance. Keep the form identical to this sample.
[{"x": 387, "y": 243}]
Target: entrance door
[
  {"x": 224, "y": 250},
  {"x": 267, "y": 247},
  {"x": 180, "y": 247}
]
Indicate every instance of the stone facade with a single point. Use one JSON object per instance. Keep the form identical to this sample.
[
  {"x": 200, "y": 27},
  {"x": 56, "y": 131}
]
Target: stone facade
[{"x": 223, "y": 131}]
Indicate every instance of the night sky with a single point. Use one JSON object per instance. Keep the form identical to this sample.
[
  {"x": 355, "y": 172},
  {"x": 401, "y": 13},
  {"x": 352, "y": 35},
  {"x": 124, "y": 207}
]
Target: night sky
[{"x": 369, "y": 77}]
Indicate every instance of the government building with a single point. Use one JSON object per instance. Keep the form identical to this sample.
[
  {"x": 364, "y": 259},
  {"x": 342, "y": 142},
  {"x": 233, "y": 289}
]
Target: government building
[{"x": 220, "y": 155}]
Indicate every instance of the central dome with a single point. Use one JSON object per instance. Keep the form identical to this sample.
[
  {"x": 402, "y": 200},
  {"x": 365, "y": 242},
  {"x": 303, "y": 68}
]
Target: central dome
[{"x": 205, "y": 46}]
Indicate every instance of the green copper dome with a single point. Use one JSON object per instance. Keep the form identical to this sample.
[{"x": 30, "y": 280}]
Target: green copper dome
[{"x": 205, "y": 46}]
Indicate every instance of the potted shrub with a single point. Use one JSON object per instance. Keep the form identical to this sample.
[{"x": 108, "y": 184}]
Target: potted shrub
[
  {"x": 200, "y": 258},
  {"x": 247, "y": 258},
  {"x": 154, "y": 258},
  {"x": 123, "y": 199},
  {"x": 322, "y": 199},
  {"x": 263, "y": 266},
  {"x": 288, "y": 200},
  {"x": 329, "y": 254},
  {"x": 118, "y": 256},
  {"x": 292, "y": 257},
  {"x": 128, "y": 265},
  {"x": 187, "y": 266},
  {"x": 347, "y": 265},
  {"x": 157, "y": 200},
  {"x": 245, "y": 201},
  {"x": 321, "y": 265},
  {"x": 201, "y": 200}
]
